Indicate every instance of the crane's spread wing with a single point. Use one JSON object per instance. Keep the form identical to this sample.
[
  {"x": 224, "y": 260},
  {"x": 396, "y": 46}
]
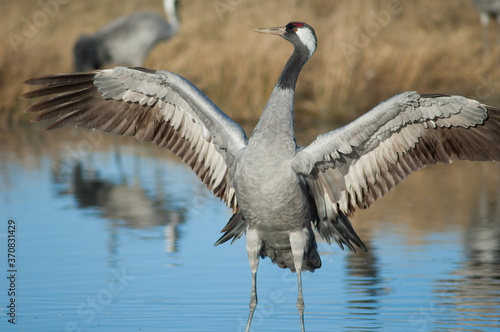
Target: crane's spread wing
[
  {"x": 154, "y": 106},
  {"x": 357, "y": 164}
]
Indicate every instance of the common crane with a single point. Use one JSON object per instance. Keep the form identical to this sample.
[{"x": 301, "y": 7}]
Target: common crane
[{"x": 278, "y": 192}]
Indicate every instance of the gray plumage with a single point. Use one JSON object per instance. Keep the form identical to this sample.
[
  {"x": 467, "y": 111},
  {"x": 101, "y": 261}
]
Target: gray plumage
[
  {"x": 127, "y": 40},
  {"x": 278, "y": 192},
  {"x": 488, "y": 9}
]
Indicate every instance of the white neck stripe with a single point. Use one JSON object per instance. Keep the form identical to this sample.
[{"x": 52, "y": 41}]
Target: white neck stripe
[{"x": 306, "y": 36}]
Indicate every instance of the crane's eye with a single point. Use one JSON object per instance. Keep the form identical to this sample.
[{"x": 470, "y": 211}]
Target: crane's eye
[{"x": 295, "y": 29}]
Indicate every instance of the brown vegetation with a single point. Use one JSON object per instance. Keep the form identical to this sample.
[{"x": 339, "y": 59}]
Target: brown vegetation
[
  {"x": 368, "y": 50},
  {"x": 364, "y": 56}
]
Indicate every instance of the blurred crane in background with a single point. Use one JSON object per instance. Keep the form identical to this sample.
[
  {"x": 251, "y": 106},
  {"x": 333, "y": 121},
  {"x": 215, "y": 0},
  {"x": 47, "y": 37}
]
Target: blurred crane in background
[
  {"x": 127, "y": 40},
  {"x": 488, "y": 9}
]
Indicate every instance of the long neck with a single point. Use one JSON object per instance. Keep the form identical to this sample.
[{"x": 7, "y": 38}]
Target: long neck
[
  {"x": 277, "y": 116},
  {"x": 290, "y": 73},
  {"x": 169, "y": 6}
]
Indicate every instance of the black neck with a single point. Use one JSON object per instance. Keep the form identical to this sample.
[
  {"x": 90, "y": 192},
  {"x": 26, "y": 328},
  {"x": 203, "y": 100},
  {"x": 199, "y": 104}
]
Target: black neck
[
  {"x": 277, "y": 116},
  {"x": 290, "y": 73}
]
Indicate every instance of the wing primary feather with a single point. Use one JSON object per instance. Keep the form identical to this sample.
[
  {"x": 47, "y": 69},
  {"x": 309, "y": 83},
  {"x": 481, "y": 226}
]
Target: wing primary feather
[{"x": 155, "y": 106}]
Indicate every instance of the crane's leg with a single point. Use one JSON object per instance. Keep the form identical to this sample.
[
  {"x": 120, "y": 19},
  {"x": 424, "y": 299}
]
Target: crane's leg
[
  {"x": 253, "y": 250},
  {"x": 298, "y": 242}
]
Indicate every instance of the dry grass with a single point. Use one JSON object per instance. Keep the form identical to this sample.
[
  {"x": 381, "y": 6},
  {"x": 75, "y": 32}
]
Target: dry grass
[{"x": 429, "y": 46}]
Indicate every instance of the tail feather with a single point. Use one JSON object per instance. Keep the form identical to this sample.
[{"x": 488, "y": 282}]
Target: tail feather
[
  {"x": 284, "y": 258},
  {"x": 235, "y": 228},
  {"x": 340, "y": 229}
]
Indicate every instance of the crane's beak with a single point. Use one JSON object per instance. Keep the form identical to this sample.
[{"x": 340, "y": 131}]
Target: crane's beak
[{"x": 273, "y": 31}]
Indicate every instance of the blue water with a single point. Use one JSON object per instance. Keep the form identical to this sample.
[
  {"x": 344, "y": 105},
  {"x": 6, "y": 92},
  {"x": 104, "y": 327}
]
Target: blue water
[{"x": 122, "y": 238}]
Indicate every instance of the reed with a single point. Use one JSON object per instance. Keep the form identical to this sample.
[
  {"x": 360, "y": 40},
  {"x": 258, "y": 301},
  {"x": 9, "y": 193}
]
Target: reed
[{"x": 368, "y": 50}]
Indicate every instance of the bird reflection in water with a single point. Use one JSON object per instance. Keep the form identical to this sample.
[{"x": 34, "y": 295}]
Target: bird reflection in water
[
  {"x": 126, "y": 205},
  {"x": 364, "y": 279},
  {"x": 477, "y": 284}
]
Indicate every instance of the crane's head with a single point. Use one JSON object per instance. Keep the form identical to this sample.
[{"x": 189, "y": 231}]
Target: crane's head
[{"x": 298, "y": 33}]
